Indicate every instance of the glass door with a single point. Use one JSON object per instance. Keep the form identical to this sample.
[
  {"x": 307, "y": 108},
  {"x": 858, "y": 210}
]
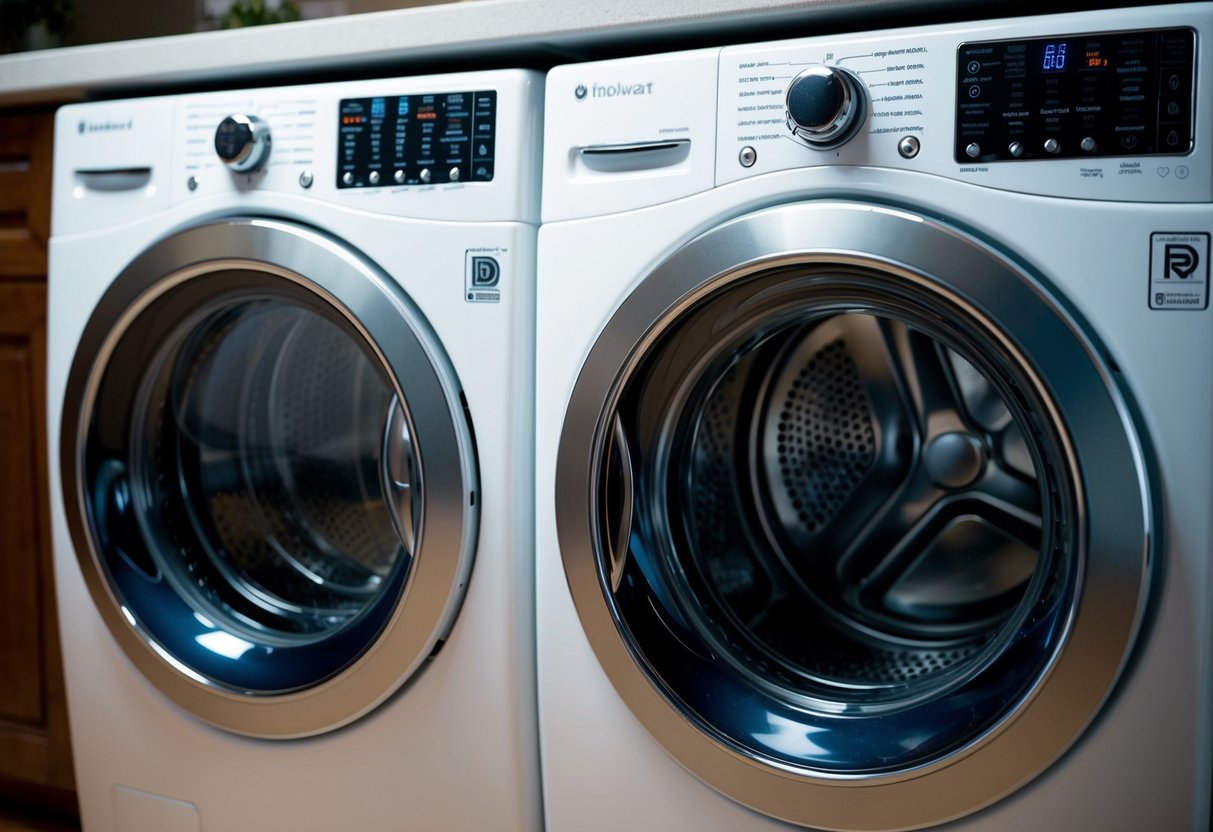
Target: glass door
[
  {"x": 267, "y": 451},
  {"x": 846, "y": 501}
]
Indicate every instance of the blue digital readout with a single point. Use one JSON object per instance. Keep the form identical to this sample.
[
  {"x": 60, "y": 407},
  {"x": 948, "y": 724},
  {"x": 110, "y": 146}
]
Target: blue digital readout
[
  {"x": 378, "y": 107},
  {"x": 1054, "y": 58}
]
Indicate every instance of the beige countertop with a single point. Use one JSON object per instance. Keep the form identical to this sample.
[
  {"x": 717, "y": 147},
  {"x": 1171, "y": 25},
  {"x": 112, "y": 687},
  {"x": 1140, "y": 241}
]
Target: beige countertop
[
  {"x": 460, "y": 35},
  {"x": 457, "y": 35}
]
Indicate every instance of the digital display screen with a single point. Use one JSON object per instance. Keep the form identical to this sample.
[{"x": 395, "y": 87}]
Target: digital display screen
[
  {"x": 1054, "y": 59},
  {"x": 417, "y": 140}
]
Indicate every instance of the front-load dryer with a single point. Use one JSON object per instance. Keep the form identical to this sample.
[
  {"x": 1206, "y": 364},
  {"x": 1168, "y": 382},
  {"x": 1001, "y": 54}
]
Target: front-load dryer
[
  {"x": 873, "y": 458},
  {"x": 291, "y": 352}
]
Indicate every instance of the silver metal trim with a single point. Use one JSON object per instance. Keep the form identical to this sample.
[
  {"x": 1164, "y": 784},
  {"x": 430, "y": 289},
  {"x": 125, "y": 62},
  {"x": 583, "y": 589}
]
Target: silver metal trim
[
  {"x": 320, "y": 267},
  {"x": 1106, "y": 460},
  {"x": 618, "y": 541}
]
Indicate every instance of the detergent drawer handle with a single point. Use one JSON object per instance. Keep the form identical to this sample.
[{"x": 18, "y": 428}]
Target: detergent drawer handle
[
  {"x": 624, "y": 157},
  {"x": 114, "y": 179},
  {"x": 632, "y": 148}
]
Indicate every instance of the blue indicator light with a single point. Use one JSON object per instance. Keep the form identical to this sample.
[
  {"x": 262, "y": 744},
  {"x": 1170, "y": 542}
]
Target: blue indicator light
[{"x": 1054, "y": 58}]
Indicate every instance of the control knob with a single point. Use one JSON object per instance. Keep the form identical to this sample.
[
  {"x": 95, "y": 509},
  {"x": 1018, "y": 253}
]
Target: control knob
[
  {"x": 825, "y": 106},
  {"x": 243, "y": 142}
]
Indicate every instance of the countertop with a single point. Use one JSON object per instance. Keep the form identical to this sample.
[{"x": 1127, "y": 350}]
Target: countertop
[
  {"x": 460, "y": 35},
  {"x": 473, "y": 34}
]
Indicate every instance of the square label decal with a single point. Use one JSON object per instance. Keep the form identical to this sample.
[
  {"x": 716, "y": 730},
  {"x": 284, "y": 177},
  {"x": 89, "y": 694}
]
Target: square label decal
[
  {"x": 482, "y": 275},
  {"x": 1179, "y": 270}
]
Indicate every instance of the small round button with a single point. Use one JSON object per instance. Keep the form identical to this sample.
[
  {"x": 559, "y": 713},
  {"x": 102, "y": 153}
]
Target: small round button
[
  {"x": 1088, "y": 144},
  {"x": 1052, "y": 146},
  {"x": 306, "y": 179},
  {"x": 426, "y": 176},
  {"x": 373, "y": 177},
  {"x": 347, "y": 178},
  {"x": 1015, "y": 149},
  {"x": 399, "y": 177},
  {"x": 192, "y": 183},
  {"x": 908, "y": 147},
  {"x": 455, "y": 174},
  {"x": 747, "y": 157},
  {"x": 973, "y": 151}
]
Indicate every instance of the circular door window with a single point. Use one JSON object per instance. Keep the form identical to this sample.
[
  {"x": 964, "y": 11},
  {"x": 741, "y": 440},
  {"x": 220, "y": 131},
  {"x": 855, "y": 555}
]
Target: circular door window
[
  {"x": 257, "y": 464},
  {"x": 863, "y": 512}
]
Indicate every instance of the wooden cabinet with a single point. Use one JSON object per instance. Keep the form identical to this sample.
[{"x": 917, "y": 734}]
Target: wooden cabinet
[{"x": 35, "y": 753}]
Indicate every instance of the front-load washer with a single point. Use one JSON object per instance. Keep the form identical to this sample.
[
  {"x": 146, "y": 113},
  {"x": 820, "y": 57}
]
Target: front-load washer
[
  {"x": 291, "y": 356},
  {"x": 872, "y": 415}
]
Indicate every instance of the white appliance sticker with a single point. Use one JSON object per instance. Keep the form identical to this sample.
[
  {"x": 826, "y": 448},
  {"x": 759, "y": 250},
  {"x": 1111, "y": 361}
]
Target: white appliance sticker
[
  {"x": 482, "y": 274},
  {"x": 1179, "y": 270}
]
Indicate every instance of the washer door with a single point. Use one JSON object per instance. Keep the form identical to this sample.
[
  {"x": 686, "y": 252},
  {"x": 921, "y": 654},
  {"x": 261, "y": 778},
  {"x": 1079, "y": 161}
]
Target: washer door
[
  {"x": 269, "y": 477},
  {"x": 853, "y": 516}
]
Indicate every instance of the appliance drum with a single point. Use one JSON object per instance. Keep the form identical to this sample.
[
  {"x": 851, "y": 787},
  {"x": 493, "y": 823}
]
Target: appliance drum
[{"x": 852, "y": 505}]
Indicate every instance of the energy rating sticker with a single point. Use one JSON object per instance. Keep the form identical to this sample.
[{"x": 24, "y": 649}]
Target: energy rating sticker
[
  {"x": 482, "y": 275},
  {"x": 1179, "y": 270}
]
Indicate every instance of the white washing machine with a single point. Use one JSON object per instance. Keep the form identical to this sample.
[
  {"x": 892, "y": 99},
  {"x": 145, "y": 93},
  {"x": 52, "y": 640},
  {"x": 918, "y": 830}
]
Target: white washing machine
[
  {"x": 290, "y": 373},
  {"x": 872, "y": 465}
]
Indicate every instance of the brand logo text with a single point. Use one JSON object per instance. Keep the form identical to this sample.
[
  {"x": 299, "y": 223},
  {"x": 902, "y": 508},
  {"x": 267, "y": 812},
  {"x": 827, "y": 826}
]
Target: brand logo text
[{"x": 615, "y": 90}]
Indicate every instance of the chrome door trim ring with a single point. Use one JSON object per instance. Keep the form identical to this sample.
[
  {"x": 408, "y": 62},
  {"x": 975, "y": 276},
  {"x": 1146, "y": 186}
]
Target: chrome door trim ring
[
  {"x": 1114, "y": 500},
  {"x": 329, "y": 273}
]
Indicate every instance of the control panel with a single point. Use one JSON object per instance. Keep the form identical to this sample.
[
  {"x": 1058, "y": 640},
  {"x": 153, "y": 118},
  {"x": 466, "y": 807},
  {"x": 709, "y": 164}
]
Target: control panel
[
  {"x": 426, "y": 139},
  {"x": 406, "y": 147},
  {"x": 1076, "y": 96},
  {"x": 1089, "y": 105}
]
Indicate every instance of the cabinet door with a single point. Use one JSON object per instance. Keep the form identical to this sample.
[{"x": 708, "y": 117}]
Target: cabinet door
[{"x": 35, "y": 752}]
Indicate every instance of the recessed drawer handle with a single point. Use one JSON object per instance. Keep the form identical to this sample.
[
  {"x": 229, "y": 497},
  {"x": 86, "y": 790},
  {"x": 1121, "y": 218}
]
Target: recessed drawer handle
[
  {"x": 114, "y": 179},
  {"x": 629, "y": 148}
]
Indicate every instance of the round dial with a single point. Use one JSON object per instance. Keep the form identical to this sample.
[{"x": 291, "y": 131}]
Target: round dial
[
  {"x": 825, "y": 106},
  {"x": 243, "y": 142}
]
